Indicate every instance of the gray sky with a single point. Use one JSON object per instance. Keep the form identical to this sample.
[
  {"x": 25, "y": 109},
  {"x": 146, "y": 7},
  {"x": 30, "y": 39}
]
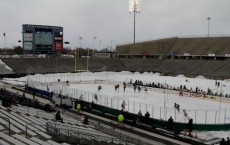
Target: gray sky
[{"x": 110, "y": 20}]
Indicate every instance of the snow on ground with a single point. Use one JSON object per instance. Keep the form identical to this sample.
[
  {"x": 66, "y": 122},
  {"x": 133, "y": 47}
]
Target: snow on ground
[
  {"x": 6, "y": 66},
  {"x": 158, "y": 103}
]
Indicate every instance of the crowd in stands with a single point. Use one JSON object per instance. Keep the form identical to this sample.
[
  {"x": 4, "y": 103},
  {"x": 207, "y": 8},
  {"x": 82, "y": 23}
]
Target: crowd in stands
[
  {"x": 138, "y": 84},
  {"x": 9, "y": 98},
  {"x": 225, "y": 142}
]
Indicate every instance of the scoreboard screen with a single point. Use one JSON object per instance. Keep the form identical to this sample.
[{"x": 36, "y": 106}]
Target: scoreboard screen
[{"x": 43, "y": 39}]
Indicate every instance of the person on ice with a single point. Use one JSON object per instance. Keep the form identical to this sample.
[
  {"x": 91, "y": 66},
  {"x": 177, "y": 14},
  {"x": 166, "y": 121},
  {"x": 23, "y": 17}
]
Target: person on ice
[
  {"x": 99, "y": 88},
  {"x": 124, "y": 86}
]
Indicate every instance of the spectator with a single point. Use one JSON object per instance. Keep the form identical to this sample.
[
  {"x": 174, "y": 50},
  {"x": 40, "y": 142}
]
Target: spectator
[
  {"x": 147, "y": 115},
  {"x": 58, "y": 117},
  {"x": 82, "y": 119},
  {"x": 223, "y": 142},
  {"x": 33, "y": 93},
  {"x": 81, "y": 97},
  {"x": 228, "y": 141},
  {"x": 139, "y": 116},
  {"x": 120, "y": 119},
  {"x": 170, "y": 123},
  {"x": 23, "y": 95},
  {"x": 47, "y": 107},
  {"x": 190, "y": 124},
  {"x": 86, "y": 121},
  {"x": 78, "y": 107}
]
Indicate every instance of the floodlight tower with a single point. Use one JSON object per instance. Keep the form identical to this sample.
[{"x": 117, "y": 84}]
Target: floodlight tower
[
  {"x": 208, "y": 24},
  {"x": 134, "y": 6}
]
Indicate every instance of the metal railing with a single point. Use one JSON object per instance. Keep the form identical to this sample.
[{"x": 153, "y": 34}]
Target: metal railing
[
  {"x": 33, "y": 124},
  {"x": 63, "y": 133},
  {"x": 8, "y": 120}
]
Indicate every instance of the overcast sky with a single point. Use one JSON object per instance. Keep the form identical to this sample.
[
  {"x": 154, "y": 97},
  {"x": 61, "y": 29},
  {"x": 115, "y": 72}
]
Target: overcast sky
[{"x": 110, "y": 20}]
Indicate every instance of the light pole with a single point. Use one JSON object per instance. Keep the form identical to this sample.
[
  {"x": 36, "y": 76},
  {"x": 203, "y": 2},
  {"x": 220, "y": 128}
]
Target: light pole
[
  {"x": 4, "y": 34},
  {"x": 79, "y": 39},
  {"x": 111, "y": 45},
  {"x": 93, "y": 45},
  {"x": 134, "y": 6},
  {"x": 99, "y": 45},
  {"x": 208, "y": 24}
]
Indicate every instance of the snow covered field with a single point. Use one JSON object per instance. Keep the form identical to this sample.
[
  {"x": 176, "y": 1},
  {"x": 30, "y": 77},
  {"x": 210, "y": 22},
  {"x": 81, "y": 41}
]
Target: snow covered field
[{"x": 159, "y": 102}]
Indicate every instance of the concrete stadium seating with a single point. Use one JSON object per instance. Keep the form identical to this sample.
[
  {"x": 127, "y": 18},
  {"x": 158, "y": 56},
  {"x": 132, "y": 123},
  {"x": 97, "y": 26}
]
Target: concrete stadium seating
[
  {"x": 36, "y": 121},
  {"x": 199, "y": 46},
  {"x": 219, "y": 46},
  {"x": 166, "y": 66},
  {"x": 185, "y": 67},
  {"x": 208, "y": 67},
  {"x": 221, "y": 72}
]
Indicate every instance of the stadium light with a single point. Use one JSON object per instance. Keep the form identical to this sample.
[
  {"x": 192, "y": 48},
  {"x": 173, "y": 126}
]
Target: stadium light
[
  {"x": 93, "y": 40},
  {"x": 4, "y": 34},
  {"x": 93, "y": 45},
  {"x": 208, "y": 24},
  {"x": 79, "y": 39},
  {"x": 99, "y": 45},
  {"x": 134, "y": 6},
  {"x": 111, "y": 45}
]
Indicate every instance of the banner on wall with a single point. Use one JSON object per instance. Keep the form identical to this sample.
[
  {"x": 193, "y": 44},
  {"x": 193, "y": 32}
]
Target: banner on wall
[
  {"x": 28, "y": 37},
  {"x": 58, "y": 46},
  {"x": 28, "y": 46}
]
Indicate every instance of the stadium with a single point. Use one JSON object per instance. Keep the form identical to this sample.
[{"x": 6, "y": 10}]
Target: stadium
[{"x": 46, "y": 77}]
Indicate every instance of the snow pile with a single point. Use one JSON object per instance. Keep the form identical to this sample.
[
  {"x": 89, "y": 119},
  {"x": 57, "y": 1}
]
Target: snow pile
[
  {"x": 201, "y": 77},
  {"x": 180, "y": 76}
]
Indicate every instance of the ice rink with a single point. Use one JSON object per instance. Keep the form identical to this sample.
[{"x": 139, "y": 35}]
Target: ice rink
[{"x": 158, "y": 102}]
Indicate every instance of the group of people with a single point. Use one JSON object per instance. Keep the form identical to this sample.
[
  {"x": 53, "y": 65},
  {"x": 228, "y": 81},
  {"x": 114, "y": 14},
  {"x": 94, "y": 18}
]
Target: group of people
[
  {"x": 190, "y": 125},
  {"x": 84, "y": 119},
  {"x": 140, "y": 117},
  {"x": 225, "y": 142}
]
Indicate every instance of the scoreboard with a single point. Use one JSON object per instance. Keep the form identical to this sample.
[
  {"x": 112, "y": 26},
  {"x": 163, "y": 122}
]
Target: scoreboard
[{"x": 42, "y": 38}]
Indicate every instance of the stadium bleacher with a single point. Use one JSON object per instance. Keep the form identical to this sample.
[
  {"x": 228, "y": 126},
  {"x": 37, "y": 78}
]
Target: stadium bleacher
[{"x": 33, "y": 126}]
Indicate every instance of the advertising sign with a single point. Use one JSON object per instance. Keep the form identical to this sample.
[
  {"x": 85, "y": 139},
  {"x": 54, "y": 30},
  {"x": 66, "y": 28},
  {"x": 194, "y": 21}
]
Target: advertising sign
[
  {"x": 58, "y": 46},
  {"x": 28, "y": 37},
  {"x": 28, "y": 46},
  {"x": 58, "y": 38}
]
